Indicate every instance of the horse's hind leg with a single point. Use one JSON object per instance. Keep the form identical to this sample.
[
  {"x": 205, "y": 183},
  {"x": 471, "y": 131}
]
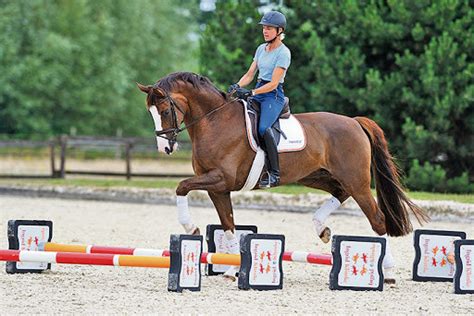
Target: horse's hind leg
[
  {"x": 323, "y": 180},
  {"x": 376, "y": 218}
]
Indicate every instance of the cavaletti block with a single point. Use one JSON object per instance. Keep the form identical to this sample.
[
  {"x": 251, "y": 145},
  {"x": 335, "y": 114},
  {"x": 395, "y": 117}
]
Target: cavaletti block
[
  {"x": 432, "y": 248},
  {"x": 185, "y": 269},
  {"x": 216, "y": 243},
  {"x": 261, "y": 262},
  {"x": 28, "y": 235},
  {"x": 464, "y": 275},
  {"x": 357, "y": 263}
]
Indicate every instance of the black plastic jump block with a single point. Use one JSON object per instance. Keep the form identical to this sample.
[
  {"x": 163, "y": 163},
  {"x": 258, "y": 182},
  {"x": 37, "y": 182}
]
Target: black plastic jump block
[
  {"x": 464, "y": 275},
  {"x": 261, "y": 262},
  {"x": 432, "y": 248},
  {"x": 185, "y": 263},
  {"x": 28, "y": 235},
  {"x": 357, "y": 263},
  {"x": 216, "y": 243}
]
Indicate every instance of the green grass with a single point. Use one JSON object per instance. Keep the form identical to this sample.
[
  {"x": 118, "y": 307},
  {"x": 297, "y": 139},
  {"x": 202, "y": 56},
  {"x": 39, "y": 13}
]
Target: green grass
[{"x": 172, "y": 184}]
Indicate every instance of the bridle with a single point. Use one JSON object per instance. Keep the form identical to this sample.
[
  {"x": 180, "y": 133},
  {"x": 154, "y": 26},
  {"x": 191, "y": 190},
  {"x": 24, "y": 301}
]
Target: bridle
[{"x": 175, "y": 130}]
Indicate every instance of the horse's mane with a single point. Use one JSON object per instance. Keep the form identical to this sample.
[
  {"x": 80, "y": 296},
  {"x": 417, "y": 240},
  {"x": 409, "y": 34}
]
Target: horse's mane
[{"x": 199, "y": 82}]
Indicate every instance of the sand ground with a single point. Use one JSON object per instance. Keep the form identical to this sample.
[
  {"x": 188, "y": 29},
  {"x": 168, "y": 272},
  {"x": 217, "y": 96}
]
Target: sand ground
[{"x": 93, "y": 289}]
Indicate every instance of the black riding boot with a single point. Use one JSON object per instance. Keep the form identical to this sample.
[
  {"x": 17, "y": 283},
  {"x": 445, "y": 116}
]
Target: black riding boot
[{"x": 272, "y": 179}]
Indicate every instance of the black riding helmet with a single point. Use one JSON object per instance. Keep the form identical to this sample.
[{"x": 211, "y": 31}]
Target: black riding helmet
[{"x": 275, "y": 19}]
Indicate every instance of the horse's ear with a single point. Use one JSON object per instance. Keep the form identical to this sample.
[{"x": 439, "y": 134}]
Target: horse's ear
[
  {"x": 159, "y": 92},
  {"x": 143, "y": 88}
]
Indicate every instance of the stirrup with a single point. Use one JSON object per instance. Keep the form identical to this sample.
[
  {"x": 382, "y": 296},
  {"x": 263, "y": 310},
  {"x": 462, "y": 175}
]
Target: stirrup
[{"x": 266, "y": 183}]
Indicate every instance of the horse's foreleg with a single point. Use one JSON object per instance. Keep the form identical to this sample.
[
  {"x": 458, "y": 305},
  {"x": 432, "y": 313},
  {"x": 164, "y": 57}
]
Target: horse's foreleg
[
  {"x": 211, "y": 180},
  {"x": 184, "y": 217},
  {"x": 223, "y": 206}
]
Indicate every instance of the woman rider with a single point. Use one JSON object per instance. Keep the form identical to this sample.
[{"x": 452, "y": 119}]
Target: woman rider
[{"x": 272, "y": 60}]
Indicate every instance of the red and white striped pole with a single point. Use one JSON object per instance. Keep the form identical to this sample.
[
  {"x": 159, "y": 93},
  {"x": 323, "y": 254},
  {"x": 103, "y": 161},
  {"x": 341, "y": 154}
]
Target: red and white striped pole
[
  {"x": 307, "y": 257},
  {"x": 295, "y": 256}
]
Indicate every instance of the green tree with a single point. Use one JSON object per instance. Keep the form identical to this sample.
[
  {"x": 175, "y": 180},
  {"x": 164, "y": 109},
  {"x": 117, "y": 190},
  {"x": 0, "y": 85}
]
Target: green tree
[{"x": 75, "y": 63}]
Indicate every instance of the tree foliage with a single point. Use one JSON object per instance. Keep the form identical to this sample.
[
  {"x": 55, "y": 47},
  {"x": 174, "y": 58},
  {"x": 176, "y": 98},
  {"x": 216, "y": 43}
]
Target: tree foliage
[
  {"x": 75, "y": 63},
  {"x": 406, "y": 64}
]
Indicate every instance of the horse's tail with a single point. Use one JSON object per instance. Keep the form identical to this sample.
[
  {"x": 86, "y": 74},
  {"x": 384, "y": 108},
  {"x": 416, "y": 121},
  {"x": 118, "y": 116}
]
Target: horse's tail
[{"x": 391, "y": 199}]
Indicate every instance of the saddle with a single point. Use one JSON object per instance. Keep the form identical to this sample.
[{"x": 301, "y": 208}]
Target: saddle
[{"x": 253, "y": 110}]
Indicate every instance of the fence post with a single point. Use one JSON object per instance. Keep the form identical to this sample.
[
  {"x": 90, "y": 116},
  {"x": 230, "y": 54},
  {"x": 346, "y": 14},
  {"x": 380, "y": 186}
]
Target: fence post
[
  {"x": 128, "y": 147},
  {"x": 52, "y": 146},
  {"x": 62, "y": 171}
]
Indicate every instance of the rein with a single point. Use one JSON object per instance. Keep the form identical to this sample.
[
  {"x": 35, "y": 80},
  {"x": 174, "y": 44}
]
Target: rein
[{"x": 176, "y": 129}]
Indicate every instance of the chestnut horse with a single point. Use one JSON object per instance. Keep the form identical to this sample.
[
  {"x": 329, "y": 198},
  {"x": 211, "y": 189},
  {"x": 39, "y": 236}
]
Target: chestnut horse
[{"x": 338, "y": 158}]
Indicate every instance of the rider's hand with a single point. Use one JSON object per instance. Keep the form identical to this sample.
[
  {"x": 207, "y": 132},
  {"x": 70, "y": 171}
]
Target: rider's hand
[
  {"x": 243, "y": 93},
  {"x": 233, "y": 87}
]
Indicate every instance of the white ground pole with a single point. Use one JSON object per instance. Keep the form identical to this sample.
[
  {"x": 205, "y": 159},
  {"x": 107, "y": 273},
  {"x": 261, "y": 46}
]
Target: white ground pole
[
  {"x": 184, "y": 217},
  {"x": 322, "y": 213},
  {"x": 233, "y": 247}
]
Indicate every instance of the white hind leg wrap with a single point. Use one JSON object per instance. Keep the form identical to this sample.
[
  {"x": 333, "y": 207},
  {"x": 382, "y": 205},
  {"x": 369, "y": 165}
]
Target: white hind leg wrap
[
  {"x": 322, "y": 213},
  {"x": 184, "y": 217},
  {"x": 388, "y": 261}
]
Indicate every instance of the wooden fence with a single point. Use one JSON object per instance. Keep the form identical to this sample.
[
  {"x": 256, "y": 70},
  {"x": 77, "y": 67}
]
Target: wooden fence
[{"x": 64, "y": 143}]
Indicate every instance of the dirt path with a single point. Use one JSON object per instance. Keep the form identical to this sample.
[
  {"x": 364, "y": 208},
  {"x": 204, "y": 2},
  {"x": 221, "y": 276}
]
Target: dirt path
[{"x": 78, "y": 289}]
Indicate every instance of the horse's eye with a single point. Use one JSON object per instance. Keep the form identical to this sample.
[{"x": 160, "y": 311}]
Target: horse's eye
[{"x": 166, "y": 112}]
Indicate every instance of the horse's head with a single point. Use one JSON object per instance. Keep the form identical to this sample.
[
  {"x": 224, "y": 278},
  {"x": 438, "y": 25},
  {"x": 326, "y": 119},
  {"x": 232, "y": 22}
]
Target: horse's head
[{"x": 167, "y": 115}]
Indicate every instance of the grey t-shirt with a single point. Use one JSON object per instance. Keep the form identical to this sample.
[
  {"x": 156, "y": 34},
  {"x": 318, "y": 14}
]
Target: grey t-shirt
[{"x": 267, "y": 61}]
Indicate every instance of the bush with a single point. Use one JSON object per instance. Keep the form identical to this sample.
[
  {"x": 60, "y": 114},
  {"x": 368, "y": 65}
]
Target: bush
[{"x": 428, "y": 177}]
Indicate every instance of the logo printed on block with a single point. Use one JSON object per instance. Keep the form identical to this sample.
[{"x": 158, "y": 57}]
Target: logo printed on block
[
  {"x": 464, "y": 257},
  {"x": 28, "y": 235},
  {"x": 216, "y": 243},
  {"x": 357, "y": 263},
  {"x": 261, "y": 265},
  {"x": 432, "y": 248},
  {"x": 185, "y": 269}
]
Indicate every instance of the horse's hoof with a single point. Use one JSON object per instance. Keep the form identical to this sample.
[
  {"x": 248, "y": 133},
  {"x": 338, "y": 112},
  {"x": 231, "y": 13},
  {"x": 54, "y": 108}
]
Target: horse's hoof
[
  {"x": 196, "y": 232},
  {"x": 229, "y": 277},
  {"x": 389, "y": 276},
  {"x": 389, "y": 281},
  {"x": 325, "y": 235}
]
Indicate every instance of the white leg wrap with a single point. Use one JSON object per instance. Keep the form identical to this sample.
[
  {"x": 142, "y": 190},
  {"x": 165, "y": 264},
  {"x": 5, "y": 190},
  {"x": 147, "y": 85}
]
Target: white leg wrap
[
  {"x": 322, "y": 213},
  {"x": 388, "y": 261},
  {"x": 184, "y": 217},
  {"x": 233, "y": 247}
]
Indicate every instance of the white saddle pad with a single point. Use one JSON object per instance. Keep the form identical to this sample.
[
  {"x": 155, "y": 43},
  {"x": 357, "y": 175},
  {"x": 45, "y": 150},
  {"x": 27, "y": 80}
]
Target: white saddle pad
[{"x": 293, "y": 130}]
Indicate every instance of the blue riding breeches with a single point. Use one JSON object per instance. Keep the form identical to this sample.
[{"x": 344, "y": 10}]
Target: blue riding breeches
[{"x": 271, "y": 104}]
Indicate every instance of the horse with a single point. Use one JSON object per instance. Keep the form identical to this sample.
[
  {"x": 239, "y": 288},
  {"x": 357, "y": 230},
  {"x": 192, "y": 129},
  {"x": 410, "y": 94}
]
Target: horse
[{"x": 339, "y": 156}]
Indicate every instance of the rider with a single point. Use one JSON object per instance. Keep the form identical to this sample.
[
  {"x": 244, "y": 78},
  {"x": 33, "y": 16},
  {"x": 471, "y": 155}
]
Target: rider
[{"x": 272, "y": 60}]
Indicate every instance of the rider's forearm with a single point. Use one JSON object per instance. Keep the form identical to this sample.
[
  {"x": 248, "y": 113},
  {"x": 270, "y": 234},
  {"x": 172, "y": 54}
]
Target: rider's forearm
[
  {"x": 266, "y": 88},
  {"x": 245, "y": 80}
]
